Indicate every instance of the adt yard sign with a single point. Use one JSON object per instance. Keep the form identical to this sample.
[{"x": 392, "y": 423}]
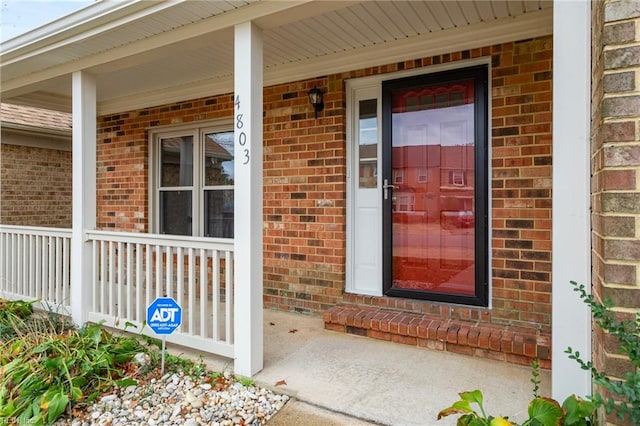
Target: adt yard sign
[{"x": 164, "y": 315}]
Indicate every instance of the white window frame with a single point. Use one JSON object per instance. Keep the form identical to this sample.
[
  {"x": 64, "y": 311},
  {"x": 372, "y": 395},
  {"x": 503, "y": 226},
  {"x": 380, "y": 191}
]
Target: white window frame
[
  {"x": 197, "y": 130},
  {"x": 398, "y": 176},
  {"x": 457, "y": 178},
  {"x": 423, "y": 175}
]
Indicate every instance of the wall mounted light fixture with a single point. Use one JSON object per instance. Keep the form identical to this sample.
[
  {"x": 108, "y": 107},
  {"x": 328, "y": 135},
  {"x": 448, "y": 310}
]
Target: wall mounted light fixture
[{"x": 315, "y": 97}]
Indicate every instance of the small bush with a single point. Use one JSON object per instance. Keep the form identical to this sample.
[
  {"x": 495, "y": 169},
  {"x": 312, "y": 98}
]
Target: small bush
[
  {"x": 47, "y": 366},
  {"x": 624, "y": 401}
]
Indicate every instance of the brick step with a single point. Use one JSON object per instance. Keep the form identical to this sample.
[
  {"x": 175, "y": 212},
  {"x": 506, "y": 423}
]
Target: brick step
[{"x": 517, "y": 345}]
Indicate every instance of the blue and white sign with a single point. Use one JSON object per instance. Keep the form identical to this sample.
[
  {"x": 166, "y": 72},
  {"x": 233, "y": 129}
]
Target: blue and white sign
[{"x": 164, "y": 315}]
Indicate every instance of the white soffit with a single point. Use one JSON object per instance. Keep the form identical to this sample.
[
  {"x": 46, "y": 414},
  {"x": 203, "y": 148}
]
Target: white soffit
[{"x": 301, "y": 40}]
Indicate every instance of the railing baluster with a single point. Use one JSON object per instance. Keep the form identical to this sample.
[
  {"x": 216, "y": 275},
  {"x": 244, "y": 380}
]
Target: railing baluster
[
  {"x": 191, "y": 294},
  {"x": 168, "y": 276},
  {"x": 38, "y": 267},
  {"x": 148, "y": 265},
  {"x": 139, "y": 302},
  {"x": 112, "y": 278},
  {"x": 158, "y": 279},
  {"x": 229, "y": 286},
  {"x": 129, "y": 283},
  {"x": 104, "y": 284},
  {"x": 95, "y": 275},
  {"x": 58, "y": 291},
  {"x": 52, "y": 267},
  {"x": 215, "y": 294},
  {"x": 180, "y": 280},
  {"x": 12, "y": 259},
  {"x": 204, "y": 294},
  {"x": 18, "y": 256},
  {"x": 66, "y": 264},
  {"x": 119, "y": 284},
  {"x": 32, "y": 267},
  {"x": 22, "y": 269},
  {"x": 45, "y": 267}
]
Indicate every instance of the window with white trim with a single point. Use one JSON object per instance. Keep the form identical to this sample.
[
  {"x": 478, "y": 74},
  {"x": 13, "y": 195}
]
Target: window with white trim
[{"x": 192, "y": 177}]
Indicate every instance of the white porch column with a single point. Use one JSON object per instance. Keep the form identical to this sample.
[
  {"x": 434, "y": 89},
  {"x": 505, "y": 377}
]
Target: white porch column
[
  {"x": 571, "y": 192},
  {"x": 248, "y": 317},
  {"x": 84, "y": 192}
]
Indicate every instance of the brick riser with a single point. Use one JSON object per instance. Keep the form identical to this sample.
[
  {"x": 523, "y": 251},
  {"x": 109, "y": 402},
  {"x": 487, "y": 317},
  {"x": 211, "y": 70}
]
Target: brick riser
[{"x": 517, "y": 345}]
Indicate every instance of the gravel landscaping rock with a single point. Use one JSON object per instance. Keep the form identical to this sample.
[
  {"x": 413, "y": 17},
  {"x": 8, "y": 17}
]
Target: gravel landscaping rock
[{"x": 177, "y": 399}]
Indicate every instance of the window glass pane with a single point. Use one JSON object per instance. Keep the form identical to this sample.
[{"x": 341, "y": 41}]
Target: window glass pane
[
  {"x": 218, "y": 213},
  {"x": 368, "y": 143},
  {"x": 175, "y": 212},
  {"x": 218, "y": 159},
  {"x": 176, "y": 161}
]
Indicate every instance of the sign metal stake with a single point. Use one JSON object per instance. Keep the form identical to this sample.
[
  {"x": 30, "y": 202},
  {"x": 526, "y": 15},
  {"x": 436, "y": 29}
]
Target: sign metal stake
[{"x": 164, "y": 340}]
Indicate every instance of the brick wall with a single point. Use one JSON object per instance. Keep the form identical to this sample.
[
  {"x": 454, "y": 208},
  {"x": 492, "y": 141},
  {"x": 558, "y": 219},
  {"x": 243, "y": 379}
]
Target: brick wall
[
  {"x": 304, "y": 197},
  {"x": 615, "y": 168},
  {"x": 305, "y": 185},
  {"x": 37, "y": 195}
]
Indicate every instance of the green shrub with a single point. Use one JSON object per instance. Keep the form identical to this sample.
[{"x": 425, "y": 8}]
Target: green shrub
[
  {"x": 46, "y": 368},
  {"x": 624, "y": 401}
]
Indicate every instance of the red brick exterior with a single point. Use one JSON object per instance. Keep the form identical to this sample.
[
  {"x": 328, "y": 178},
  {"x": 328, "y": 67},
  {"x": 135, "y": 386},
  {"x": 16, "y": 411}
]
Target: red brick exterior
[
  {"x": 615, "y": 145},
  {"x": 38, "y": 194},
  {"x": 305, "y": 186}
]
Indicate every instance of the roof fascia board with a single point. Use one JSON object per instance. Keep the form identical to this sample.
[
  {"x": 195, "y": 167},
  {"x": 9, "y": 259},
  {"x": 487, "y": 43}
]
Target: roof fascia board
[
  {"x": 209, "y": 25},
  {"x": 95, "y": 30},
  {"x": 35, "y": 130},
  {"x": 525, "y": 26},
  {"x": 54, "y": 32}
]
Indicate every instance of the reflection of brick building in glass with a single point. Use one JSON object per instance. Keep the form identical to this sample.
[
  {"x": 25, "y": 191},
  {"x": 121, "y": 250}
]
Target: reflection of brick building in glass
[{"x": 434, "y": 183}]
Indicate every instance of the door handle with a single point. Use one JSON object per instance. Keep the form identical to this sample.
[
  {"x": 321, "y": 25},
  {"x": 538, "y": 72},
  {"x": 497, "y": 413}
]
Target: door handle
[{"x": 385, "y": 188}]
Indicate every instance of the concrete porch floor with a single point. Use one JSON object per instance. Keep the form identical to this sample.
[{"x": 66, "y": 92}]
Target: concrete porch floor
[{"x": 341, "y": 379}]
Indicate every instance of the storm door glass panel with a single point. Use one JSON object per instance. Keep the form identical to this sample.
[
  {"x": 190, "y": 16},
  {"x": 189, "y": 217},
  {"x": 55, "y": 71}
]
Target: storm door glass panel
[
  {"x": 176, "y": 185},
  {"x": 433, "y": 210},
  {"x": 218, "y": 184}
]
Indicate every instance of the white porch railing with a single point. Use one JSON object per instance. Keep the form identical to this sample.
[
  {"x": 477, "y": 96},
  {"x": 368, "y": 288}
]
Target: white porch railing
[
  {"x": 130, "y": 270},
  {"x": 34, "y": 265}
]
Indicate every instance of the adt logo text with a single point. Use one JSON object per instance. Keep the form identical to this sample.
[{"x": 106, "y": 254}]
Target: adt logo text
[{"x": 164, "y": 315}]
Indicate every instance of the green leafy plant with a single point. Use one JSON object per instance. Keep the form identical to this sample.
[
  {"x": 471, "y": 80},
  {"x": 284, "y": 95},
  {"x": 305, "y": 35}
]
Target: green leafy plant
[
  {"x": 186, "y": 365},
  {"x": 15, "y": 309},
  {"x": 542, "y": 411},
  {"x": 245, "y": 381},
  {"x": 46, "y": 367},
  {"x": 624, "y": 399},
  {"x": 13, "y": 314}
]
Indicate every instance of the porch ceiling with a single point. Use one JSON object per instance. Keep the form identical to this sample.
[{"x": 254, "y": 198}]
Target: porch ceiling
[{"x": 147, "y": 53}]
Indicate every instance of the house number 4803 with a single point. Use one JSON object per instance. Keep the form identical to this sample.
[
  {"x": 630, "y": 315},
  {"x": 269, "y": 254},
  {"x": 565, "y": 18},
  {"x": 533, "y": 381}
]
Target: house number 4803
[{"x": 242, "y": 136}]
